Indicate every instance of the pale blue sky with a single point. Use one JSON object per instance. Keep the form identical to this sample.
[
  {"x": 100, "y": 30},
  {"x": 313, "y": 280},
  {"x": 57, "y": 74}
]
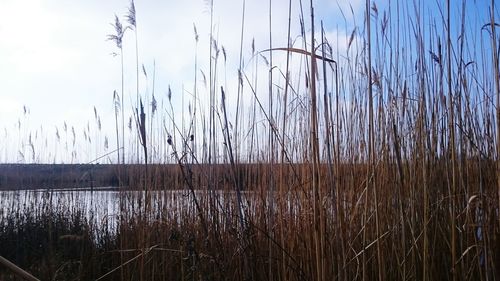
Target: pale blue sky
[{"x": 56, "y": 61}]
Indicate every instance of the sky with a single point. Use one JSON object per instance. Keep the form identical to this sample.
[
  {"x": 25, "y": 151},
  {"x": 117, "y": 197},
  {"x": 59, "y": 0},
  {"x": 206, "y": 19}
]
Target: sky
[{"x": 57, "y": 66}]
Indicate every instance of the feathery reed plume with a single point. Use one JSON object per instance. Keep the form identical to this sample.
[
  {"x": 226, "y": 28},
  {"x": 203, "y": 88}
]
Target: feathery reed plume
[
  {"x": 118, "y": 36},
  {"x": 141, "y": 127},
  {"x": 357, "y": 161},
  {"x": 131, "y": 14},
  {"x": 132, "y": 21},
  {"x": 118, "y": 39}
]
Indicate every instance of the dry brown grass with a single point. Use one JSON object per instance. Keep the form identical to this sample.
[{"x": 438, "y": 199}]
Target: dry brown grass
[{"x": 391, "y": 174}]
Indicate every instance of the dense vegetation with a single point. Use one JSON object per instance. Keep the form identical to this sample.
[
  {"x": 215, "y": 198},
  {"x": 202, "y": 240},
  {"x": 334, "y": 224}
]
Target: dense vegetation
[{"x": 382, "y": 165}]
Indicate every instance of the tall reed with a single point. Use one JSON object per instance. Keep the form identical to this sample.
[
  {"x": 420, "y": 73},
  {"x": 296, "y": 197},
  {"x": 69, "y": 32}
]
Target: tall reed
[{"x": 372, "y": 155}]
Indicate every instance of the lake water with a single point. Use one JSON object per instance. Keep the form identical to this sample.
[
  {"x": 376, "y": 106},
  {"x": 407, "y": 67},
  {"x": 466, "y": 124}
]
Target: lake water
[
  {"x": 107, "y": 204},
  {"x": 100, "y": 204}
]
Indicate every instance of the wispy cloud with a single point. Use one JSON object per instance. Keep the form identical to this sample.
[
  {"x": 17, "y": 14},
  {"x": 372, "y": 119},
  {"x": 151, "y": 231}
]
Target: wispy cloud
[{"x": 55, "y": 57}]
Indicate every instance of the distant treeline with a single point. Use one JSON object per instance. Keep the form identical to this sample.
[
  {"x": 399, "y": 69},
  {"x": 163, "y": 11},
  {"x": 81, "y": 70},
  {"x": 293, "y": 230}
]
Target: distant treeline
[
  {"x": 201, "y": 176},
  {"x": 132, "y": 176},
  {"x": 29, "y": 176}
]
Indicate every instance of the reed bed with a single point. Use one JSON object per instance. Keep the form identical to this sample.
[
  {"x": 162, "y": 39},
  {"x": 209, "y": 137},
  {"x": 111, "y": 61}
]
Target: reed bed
[{"x": 374, "y": 162}]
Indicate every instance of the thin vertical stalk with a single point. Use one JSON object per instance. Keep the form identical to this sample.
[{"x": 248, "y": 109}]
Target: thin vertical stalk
[
  {"x": 451, "y": 124},
  {"x": 195, "y": 99},
  {"x": 317, "y": 208},
  {"x": 271, "y": 148},
  {"x": 137, "y": 81},
  {"x": 211, "y": 120},
  {"x": 420, "y": 141},
  {"x": 238, "y": 185},
  {"x": 339, "y": 210},
  {"x": 132, "y": 20},
  {"x": 365, "y": 210},
  {"x": 240, "y": 87},
  {"x": 371, "y": 143},
  {"x": 122, "y": 203},
  {"x": 123, "y": 113},
  {"x": 327, "y": 107},
  {"x": 116, "y": 104},
  {"x": 497, "y": 94},
  {"x": 283, "y": 144},
  {"x": 371, "y": 181},
  {"x": 423, "y": 162}
]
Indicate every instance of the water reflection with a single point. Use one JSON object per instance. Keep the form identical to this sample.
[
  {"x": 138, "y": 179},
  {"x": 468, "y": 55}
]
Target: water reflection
[{"x": 105, "y": 205}]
